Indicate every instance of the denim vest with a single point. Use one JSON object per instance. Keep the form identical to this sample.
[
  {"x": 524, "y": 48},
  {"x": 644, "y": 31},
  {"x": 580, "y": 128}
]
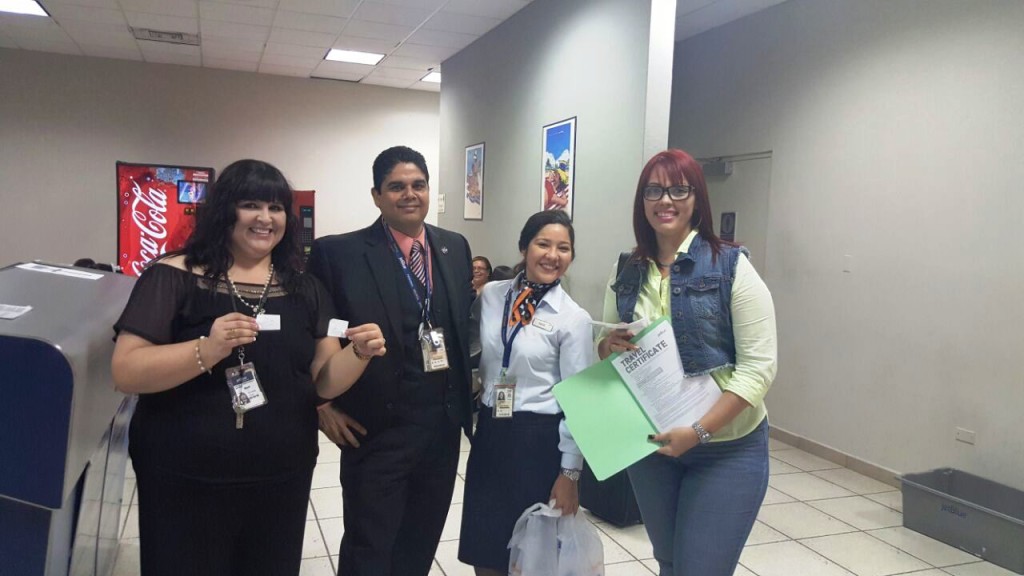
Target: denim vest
[{"x": 700, "y": 303}]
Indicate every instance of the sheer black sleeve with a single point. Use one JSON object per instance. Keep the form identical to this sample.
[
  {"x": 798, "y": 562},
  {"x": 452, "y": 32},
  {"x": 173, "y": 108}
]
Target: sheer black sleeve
[
  {"x": 156, "y": 300},
  {"x": 318, "y": 303}
]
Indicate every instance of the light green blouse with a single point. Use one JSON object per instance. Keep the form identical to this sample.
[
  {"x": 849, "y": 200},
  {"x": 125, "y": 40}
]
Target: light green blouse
[{"x": 753, "y": 328}]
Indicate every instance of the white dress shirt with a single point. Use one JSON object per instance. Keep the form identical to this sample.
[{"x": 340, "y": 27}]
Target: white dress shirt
[{"x": 558, "y": 343}]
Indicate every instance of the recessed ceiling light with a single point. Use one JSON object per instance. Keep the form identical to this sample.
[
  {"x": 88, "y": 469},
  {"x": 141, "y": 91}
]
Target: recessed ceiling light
[
  {"x": 434, "y": 77},
  {"x": 354, "y": 57},
  {"x": 22, "y": 7}
]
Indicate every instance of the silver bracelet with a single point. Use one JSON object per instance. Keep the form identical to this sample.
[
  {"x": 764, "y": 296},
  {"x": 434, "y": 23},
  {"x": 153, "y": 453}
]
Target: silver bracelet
[
  {"x": 199, "y": 359},
  {"x": 703, "y": 435}
]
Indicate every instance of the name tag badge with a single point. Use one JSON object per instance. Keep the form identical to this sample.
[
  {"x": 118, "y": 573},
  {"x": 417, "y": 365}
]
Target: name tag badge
[
  {"x": 504, "y": 397},
  {"x": 435, "y": 356},
  {"x": 337, "y": 328},
  {"x": 542, "y": 325},
  {"x": 269, "y": 322},
  {"x": 246, "y": 392}
]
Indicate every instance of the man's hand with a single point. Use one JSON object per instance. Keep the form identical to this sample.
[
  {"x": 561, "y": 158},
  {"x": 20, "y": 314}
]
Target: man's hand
[
  {"x": 339, "y": 427},
  {"x": 566, "y": 494}
]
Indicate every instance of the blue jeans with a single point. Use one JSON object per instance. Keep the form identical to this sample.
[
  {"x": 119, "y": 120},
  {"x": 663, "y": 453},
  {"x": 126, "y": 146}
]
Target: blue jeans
[{"x": 699, "y": 508}]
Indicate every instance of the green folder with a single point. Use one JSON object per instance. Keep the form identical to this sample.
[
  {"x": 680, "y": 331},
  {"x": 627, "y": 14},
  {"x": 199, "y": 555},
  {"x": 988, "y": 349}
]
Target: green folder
[{"x": 605, "y": 419}]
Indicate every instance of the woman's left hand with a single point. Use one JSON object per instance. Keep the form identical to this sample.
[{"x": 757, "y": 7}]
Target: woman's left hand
[
  {"x": 676, "y": 441},
  {"x": 566, "y": 494},
  {"x": 368, "y": 339}
]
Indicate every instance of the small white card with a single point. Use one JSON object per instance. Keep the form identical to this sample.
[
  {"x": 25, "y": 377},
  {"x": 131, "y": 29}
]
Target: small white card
[
  {"x": 337, "y": 328},
  {"x": 269, "y": 321}
]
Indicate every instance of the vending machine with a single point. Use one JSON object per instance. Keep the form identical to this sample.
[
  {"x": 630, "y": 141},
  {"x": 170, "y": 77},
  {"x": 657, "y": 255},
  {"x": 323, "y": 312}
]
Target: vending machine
[
  {"x": 156, "y": 206},
  {"x": 302, "y": 206}
]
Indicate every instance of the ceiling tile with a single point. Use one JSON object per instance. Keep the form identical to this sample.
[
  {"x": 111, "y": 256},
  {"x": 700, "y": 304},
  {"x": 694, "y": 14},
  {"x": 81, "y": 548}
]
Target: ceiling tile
[
  {"x": 109, "y": 35},
  {"x": 26, "y": 21},
  {"x": 491, "y": 8},
  {"x": 364, "y": 45},
  {"x": 687, "y": 6},
  {"x": 426, "y": 86},
  {"x": 236, "y": 13},
  {"x": 464, "y": 23},
  {"x": 225, "y": 64},
  {"x": 7, "y": 42},
  {"x": 421, "y": 4},
  {"x": 295, "y": 50},
  {"x": 339, "y": 8},
  {"x": 435, "y": 53},
  {"x": 183, "y": 8},
  {"x": 382, "y": 81},
  {"x": 302, "y": 37},
  {"x": 284, "y": 70},
  {"x": 293, "y": 61},
  {"x": 272, "y": 4},
  {"x": 376, "y": 30},
  {"x": 162, "y": 22},
  {"x": 172, "y": 58},
  {"x": 96, "y": 3},
  {"x": 150, "y": 47},
  {"x": 49, "y": 34},
  {"x": 346, "y": 76},
  {"x": 410, "y": 62},
  {"x": 231, "y": 54},
  {"x": 62, "y": 12},
  {"x": 391, "y": 14},
  {"x": 238, "y": 44},
  {"x": 309, "y": 22},
  {"x": 234, "y": 30},
  {"x": 327, "y": 67},
  {"x": 108, "y": 52},
  {"x": 398, "y": 73},
  {"x": 443, "y": 39},
  {"x": 47, "y": 46}
]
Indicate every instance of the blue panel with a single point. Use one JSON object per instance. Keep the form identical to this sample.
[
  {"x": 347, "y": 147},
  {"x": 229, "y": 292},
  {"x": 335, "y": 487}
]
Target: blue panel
[
  {"x": 23, "y": 533},
  {"x": 36, "y": 385}
]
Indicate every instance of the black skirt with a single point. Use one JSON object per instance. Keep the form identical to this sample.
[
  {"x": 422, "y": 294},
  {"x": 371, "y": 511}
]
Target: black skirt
[{"x": 513, "y": 464}]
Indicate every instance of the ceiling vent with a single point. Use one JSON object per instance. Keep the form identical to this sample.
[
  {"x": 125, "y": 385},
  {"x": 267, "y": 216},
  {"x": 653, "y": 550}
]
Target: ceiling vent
[{"x": 168, "y": 37}]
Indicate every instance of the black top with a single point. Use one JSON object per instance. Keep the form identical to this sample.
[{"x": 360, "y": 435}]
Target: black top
[{"x": 190, "y": 430}]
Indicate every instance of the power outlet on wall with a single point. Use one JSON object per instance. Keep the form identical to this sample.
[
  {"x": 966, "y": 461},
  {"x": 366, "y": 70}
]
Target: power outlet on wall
[{"x": 964, "y": 435}]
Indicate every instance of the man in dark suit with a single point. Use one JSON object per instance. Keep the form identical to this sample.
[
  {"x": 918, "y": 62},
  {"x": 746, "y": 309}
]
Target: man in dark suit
[{"x": 399, "y": 425}]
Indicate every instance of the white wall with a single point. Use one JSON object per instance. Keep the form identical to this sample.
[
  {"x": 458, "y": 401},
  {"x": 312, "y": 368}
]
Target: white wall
[
  {"x": 552, "y": 60},
  {"x": 897, "y": 133},
  {"x": 66, "y": 120}
]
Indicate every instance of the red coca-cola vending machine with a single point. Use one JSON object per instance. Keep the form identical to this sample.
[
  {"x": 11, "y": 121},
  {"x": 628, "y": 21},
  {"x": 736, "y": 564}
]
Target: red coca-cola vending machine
[
  {"x": 302, "y": 206},
  {"x": 156, "y": 207}
]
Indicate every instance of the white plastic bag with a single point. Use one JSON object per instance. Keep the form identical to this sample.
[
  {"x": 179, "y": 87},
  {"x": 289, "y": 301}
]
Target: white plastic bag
[{"x": 544, "y": 543}]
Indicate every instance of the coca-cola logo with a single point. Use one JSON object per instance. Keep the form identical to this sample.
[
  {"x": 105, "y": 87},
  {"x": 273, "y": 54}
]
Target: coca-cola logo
[{"x": 149, "y": 213}]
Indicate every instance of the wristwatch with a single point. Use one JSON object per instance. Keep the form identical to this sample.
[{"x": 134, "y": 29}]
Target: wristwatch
[
  {"x": 571, "y": 474},
  {"x": 703, "y": 435}
]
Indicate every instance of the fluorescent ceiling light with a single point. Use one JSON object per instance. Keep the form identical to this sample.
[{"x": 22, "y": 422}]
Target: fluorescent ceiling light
[
  {"x": 434, "y": 77},
  {"x": 22, "y": 7},
  {"x": 354, "y": 57}
]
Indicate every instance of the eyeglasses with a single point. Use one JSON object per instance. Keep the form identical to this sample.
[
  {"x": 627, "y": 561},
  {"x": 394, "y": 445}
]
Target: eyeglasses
[{"x": 655, "y": 193}]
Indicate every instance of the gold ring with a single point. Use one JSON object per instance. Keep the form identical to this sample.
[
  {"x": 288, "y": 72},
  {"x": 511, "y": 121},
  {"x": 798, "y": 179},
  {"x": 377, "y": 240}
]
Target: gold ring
[{"x": 231, "y": 334}]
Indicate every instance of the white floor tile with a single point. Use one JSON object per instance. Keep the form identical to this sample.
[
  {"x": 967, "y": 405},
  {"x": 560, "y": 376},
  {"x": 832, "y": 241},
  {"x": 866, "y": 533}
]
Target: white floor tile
[
  {"x": 788, "y": 559},
  {"x": 332, "y": 530},
  {"x": 806, "y": 487},
  {"x": 328, "y": 453},
  {"x": 128, "y": 494},
  {"x": 773, "y": 496},
  {"x": 312, "y": 541},
  {"x": 634, "y": 568},
  {"x": 310, "y": 514},
  {"x": 323, "y": 439},
  {"x": 316, "y": 567},
  {"x": 633, "y": 538},
  {"x": 978, "y": 569},
  {"x": 798, "y": 520},
  {"x": 453, "y": 525},
  {"x": 859, "y": 512},
  {"x": 460, "y": 489},
  {"x": 864, "y": 555},
  {"x": 131, "y": 523},
  {"x": 327, "y": 502},
  {"x": 776, "y": 466},
  {"x": 854, "y": 481},
  {"x": 435, "y": 570},
  {"x": 764, "y": 534},
  {"x": 931, "y": 551},
  {"x": 929, "y": 572},
  {"x": 448, "y": 558},
  {"x": 804, "y": 460},
  {"x": 127, "y": 562},
  {"x": 613, "y": 553},
  {"x": 652, "y": 565},
  {"x": 893, "y": 500},
  {"x": 327, "y": 475},
  {"x": 464, "y": 444},
  {"x": 741, "y": 571},
  {"x": 463, "y": 458}
]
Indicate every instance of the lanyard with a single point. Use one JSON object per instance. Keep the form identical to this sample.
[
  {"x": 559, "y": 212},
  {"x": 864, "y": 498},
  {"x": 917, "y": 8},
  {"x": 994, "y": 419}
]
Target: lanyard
[
  {"x": 506, "y": 338},
  {"x": 258, "y": 309},
  {"x": 424, "y": 307}
]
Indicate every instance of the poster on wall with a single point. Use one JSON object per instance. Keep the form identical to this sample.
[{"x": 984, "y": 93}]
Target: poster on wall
[
  {"x": 728, "y": 227},
  {"x": 473, "y": 209},
  {"x": 559, "y": 164},
  {"x": 156, "y": 207}
]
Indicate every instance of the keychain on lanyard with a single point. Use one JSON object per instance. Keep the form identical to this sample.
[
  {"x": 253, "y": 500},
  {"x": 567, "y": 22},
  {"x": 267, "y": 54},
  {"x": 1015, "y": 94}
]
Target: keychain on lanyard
[{"x": 246, "y": 392}]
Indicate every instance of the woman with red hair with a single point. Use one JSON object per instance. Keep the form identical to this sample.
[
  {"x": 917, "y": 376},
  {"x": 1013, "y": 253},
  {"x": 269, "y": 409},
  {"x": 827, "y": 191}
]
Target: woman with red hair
[{"x": 699, "y": 494}]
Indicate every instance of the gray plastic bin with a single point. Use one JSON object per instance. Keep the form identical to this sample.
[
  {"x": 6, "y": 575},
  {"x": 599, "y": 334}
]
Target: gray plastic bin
[{"x": 963, "y": 510}]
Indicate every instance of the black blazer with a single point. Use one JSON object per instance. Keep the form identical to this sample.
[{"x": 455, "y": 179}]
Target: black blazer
[{"x": 359, "y": 271}]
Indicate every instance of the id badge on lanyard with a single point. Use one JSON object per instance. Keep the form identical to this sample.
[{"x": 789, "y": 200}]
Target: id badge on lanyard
[
  {"x": 435, "y": 355},
  {"x": 246, "y": 392},
  {"x": 504, "y": 396}
]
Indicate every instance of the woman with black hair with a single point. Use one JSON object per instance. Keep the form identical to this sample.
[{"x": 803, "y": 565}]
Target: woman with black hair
[
  {"x": 224, "y": 437},
  {"x": 533, "y": 335}
]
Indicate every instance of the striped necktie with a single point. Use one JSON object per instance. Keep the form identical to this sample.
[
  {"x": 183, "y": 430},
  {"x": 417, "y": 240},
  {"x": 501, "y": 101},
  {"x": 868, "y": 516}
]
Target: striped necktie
[{"x": 417, "y": 262}]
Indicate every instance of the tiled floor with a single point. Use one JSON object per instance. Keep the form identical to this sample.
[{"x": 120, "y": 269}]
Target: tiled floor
[{"x": 818, "y": 519}]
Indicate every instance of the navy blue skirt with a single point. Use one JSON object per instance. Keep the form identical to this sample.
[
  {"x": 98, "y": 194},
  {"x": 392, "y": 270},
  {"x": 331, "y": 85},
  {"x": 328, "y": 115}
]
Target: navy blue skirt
[{"x": 513, "y": 464}]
